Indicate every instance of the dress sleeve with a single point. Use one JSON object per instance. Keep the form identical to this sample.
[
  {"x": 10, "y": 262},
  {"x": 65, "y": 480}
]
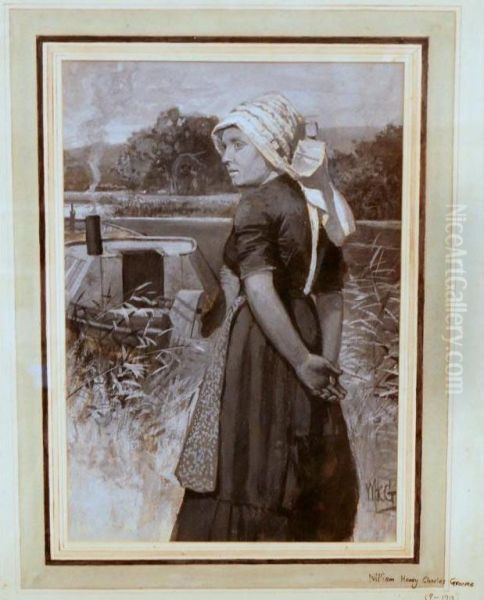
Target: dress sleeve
[
  {"x": 332, "y": 273},
  {"x": 256, "y": 233}
]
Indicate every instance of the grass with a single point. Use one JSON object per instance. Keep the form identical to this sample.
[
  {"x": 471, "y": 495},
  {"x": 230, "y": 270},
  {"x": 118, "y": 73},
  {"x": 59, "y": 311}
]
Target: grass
[
  {"x": 127, "y": 415},
  {"x": 222, "y": 205},
  {"x": 131, "y": 204},
  {"x": 128, "y": 410},
  {"x": 119, "y": 379},
  {"x": 369, "y": 357}
]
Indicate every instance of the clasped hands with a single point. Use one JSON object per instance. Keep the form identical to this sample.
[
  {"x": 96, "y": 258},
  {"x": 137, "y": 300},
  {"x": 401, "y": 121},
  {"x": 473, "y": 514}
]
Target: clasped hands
[{"x": 320, "y": 376}]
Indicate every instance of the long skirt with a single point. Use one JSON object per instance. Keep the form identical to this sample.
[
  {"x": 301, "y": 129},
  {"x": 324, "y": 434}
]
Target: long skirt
[{"x": 285, "y": 469}]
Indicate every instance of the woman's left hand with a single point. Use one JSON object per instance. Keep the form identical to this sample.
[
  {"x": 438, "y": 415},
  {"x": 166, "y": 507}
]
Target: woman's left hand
[
  {"x": 331, "y": 390},
  {"x": 318, "y": 374}
]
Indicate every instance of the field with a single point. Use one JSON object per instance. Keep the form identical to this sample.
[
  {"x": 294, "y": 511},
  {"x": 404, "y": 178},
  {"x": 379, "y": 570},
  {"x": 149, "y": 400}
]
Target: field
[
  {"x": 128, "y": 409},
  {"x": 129, "y": 204}
]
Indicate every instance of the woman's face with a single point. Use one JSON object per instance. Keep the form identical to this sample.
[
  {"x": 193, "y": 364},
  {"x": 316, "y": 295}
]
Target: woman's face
[{"x": 245, "y": 164}]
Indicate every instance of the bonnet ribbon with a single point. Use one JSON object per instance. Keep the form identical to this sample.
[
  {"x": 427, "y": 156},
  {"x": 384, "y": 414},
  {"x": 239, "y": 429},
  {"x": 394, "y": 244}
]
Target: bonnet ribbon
[{"x": 327, "y": 207}]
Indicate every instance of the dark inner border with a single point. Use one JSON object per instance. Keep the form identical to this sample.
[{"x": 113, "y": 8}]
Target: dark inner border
[{"x": 424, "y": 43}]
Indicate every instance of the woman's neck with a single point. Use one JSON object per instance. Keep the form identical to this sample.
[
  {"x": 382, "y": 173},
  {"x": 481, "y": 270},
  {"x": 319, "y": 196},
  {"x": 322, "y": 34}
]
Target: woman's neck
[{"x": 272, "y": 175}]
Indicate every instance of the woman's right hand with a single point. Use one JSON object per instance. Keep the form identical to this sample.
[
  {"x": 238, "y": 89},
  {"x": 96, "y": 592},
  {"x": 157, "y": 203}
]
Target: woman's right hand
[{"x": 320, "y": 376}]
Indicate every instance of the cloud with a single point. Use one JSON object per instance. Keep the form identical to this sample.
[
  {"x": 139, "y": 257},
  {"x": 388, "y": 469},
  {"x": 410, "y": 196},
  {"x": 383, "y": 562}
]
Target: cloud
[{"x": 110, "y": 99}]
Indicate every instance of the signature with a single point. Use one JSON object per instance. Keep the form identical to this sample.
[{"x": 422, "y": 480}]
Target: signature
[{"x": 382, "y": 493}]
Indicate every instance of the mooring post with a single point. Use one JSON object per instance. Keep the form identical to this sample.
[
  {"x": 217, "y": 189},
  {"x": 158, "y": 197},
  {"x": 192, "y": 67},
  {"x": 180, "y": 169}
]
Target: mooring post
[
  {"x": 72, "y": 219},
  {"x": 94, "y": 245}
]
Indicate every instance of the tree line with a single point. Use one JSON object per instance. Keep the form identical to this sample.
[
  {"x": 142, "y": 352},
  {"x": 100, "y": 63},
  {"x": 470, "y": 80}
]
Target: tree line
[{"x": 176, "y": 156}]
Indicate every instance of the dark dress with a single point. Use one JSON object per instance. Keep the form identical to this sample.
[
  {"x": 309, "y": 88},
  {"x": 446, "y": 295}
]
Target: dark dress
[{"x": 285, "y": 469}]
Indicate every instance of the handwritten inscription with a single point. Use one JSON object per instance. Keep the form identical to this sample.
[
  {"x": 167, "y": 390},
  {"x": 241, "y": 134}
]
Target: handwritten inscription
[
  {"x": 437, "y": 581},
  {"x": 404, "y": 580},
  {"x": 458, "y": 583},
  {"x": 412, "y": 581},
  {"x": 381, "y": 578}
]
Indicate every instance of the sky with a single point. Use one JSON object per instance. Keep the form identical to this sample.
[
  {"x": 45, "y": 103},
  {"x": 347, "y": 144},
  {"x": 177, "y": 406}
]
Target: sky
[{"x": 108, "y": 100}]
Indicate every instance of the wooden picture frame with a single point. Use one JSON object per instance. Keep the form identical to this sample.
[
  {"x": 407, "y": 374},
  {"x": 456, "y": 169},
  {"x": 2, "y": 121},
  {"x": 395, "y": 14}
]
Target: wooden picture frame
[{"x": 51, "y": 54}]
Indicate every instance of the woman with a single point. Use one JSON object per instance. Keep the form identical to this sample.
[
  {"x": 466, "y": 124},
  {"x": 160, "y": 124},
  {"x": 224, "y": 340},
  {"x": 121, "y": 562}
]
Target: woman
[{"x": 283, "y": 469}]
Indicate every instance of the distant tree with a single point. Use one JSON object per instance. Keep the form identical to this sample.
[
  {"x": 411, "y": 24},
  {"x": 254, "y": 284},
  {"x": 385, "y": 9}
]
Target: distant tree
[
  {"x": 77, "y": 174},
  {"x": 135, "y": 160},
  {"x": 76, "y": 177},
  {"x": 370, "y": 177},
  {"x": 176, "y": 154}
]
